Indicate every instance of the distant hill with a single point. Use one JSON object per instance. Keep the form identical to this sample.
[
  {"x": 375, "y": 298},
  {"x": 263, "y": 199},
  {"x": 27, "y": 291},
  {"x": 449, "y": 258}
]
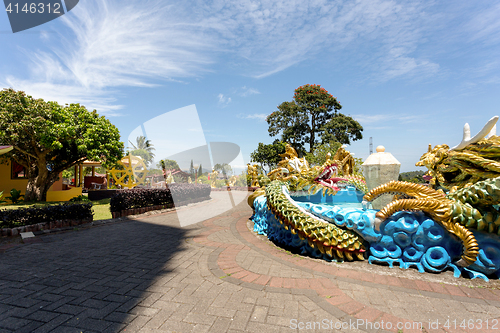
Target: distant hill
[{"x": 412, "y": 176}]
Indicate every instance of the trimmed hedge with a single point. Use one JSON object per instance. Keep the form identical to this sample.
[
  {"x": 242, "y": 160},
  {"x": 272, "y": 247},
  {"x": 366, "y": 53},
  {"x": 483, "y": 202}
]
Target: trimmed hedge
[
  {"x": 237, "y": 188},
  {"x": 144, "y": 197},
  {"x": 10, "y": 218},
  {"x": 183, "y": 192}
]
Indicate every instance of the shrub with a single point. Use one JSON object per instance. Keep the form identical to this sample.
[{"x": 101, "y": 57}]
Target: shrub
[
  {"x": 139, "y": 198},
  {"x": 25, "y": 216},
  {"x": 182, "y": 192},
  {"x": 15, "y": 195},
  {"x": 79, "y": 198}
]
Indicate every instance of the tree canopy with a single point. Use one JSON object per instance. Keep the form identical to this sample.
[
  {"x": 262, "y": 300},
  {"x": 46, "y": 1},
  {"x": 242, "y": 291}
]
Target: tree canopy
[
  {"x": 224, "y": 168},
  {"x": 312, "y": 118},
  {"x": 142, "y": 148},
  {"x": 168, "y": 165},
  {"x": 49, "y": 138},
  {"x": 268, "y": 155},
  {"x": 318, "y": 157}
]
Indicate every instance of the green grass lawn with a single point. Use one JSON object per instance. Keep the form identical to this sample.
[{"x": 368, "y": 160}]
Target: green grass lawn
[{"x": 100, "y": 207}]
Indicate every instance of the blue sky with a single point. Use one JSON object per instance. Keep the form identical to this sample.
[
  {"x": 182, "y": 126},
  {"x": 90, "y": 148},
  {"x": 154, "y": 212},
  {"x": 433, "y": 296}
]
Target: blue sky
[{"x": 411, "y": 72}]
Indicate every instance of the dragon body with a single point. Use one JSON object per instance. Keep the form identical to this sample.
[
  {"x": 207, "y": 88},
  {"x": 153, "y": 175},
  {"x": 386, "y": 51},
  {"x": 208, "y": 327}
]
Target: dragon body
[
  {"x": 453, "y": 223},
  {"x": 329, "y": 239},
  {"x": 296, "y": 174}
]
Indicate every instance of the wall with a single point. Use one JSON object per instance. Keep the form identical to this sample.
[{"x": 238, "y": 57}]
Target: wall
[{"x": 7, "y": 184}]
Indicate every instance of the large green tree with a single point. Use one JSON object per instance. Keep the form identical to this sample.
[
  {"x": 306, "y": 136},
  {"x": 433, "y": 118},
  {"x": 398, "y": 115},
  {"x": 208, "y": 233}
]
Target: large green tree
[
  {"x": 268, "y": 156},
  {"x": 312, "y": 118},
  {"x": 49, "y": 138}
]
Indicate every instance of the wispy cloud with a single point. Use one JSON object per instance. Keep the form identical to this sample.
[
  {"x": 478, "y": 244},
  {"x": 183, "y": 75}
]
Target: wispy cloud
[
  {"x": 274, "y": 35},
  {"x": 107, "y": 45},
  {"x": 244, "y": 91},
  {"x": 114, "y": 44},
  {"x": 485, "y": 25},
  {"x": 258, "y": 116},
  {"x": 369, "y": 119},
  {"x": 223, "y": 100}
]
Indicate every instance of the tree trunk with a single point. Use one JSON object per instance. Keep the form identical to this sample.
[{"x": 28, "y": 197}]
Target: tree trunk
[
  {"x": 312, "y": 133},
  {"x": 39, "y": 182}
]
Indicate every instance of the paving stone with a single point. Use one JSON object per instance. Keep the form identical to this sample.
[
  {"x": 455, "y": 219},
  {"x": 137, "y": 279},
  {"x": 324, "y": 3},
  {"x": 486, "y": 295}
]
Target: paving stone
[
  {"x": 43, "y": 316},
  {"x": 147, "y": 274}
]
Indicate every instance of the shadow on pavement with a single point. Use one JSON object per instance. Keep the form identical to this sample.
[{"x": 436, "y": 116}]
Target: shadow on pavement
[{"x": 87, "y": 280}]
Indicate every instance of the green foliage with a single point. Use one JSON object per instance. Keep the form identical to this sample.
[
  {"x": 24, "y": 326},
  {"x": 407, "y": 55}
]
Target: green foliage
[
  {"x": 200, "y": 171},
  {"x": 143, "y": 154},
  {"x": 219, "y": 183},
  {"x": 268, "y": 155},
  {"x": 241, "y": 181},
  {"x": 138, "y": 198},
  {"x": 80, "y": 198},
  {"x": 68, "y": 173},
  {"x": 27, "y": 216},
  {"x": 49, "y": 138},
  {"x": 318, "y": 157},
  {"x": 312, "y": 118},
  {"x": 15, "y": 196},
  {"x": 358, "y": 162},
  {"x": 168, "y": 165},
  {"x": 1, "y": 196},
  {"x": 142, "y": 148},
  {"x": 154, "y": 172},
  {"x": 192, "y": 171},
  {"x": 204, "y": 179},
  {"x": 224, "y": 168},
  {"x": 412, "y": 177}
]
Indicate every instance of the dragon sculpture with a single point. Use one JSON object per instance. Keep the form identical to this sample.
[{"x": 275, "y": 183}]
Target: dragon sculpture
[
  {"x": 295, "y": 173},
  {"x": 470, "y": 173},
  {"x": 335, "y": 173}
]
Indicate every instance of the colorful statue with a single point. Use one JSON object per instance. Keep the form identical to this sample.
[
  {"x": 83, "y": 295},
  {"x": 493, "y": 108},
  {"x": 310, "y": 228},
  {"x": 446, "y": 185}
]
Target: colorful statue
[
  {"x": 170, "y": 178},
  {"x": 452, "y": 224},
  {"x": 328, "y": 177},
  {"x": 293, "y": 171},
  {"x": 252, "y": 171},
  {"x": 470, "y": 171},
  {"x": 213, "y": 178},
  {"x": 232, "y": 180}
]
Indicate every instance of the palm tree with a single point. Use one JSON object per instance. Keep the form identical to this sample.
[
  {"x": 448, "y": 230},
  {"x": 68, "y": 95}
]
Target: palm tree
[{"x": 143, "y": 148}]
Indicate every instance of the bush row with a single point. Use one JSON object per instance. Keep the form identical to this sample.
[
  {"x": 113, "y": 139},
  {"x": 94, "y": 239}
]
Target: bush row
[
  {"x": 139, "y": 198},
  {"x": 237, "y": 188},
  {"x": 10, "y": 218}
]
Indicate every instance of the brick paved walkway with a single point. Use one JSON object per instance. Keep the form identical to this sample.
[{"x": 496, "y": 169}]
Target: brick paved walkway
[{"x": 149, "y": 275}]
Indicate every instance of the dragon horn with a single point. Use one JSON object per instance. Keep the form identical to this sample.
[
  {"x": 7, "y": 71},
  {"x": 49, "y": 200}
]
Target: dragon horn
[{"x": 467, "y": 140}]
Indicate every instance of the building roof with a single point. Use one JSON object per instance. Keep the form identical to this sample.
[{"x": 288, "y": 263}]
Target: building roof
[{"x": 5, "y": 149}]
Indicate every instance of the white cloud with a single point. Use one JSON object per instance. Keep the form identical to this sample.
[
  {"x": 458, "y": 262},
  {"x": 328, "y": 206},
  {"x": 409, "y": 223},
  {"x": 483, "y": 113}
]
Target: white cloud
[
  {"x": 110, "y": 44},
  {"x": 485, "y": 24},
  {"x": 106, "y": 45},
  {"x": 223, "y": 100},
  {"x": 258, "y": 116},
  {"x": 244, "y": 91},
  {"x": 274, "y": 35},
  {"x": 368, "y": 119}
]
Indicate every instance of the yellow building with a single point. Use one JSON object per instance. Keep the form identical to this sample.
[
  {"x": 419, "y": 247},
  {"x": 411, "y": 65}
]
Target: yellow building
[{"x": 12, "y": 175}]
